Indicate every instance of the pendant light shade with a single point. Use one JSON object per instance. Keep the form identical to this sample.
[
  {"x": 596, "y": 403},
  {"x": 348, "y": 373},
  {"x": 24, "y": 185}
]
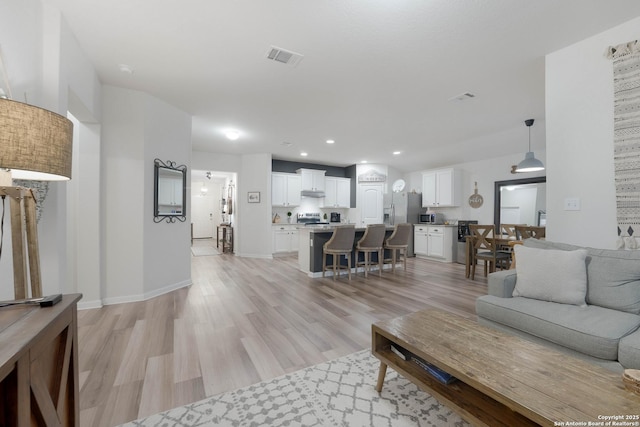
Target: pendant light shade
[{"x": 530, "y": 163}]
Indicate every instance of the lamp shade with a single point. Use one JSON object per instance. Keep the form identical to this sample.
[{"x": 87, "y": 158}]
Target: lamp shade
[
  {"x": 35, "y": 143},
  {"x": 529, "y": 164}
]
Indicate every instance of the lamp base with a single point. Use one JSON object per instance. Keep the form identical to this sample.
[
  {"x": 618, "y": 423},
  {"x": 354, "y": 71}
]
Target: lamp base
[
  {"x": 5, "y": 177},
  {"x": 26, "y": 259}
]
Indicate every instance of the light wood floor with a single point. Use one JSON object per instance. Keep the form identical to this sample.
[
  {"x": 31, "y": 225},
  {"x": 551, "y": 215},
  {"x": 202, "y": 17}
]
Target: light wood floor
[{"x": 243, "y": 321}]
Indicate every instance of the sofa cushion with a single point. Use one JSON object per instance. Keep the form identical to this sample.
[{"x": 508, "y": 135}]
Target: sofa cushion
[
  {"x": 591, "y": 330},
  {"x": 613, "y": 276},
  {"x": 551, "y": 275},
  {"x": 629, "y": 351}
]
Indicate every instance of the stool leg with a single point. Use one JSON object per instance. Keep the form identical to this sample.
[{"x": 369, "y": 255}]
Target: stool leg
[
  {"x": 334, "y": 264},
  {"x": 324, "y": 263},
  {"x": 404, "y": 256},
  {"x": 349, "y": 265},
  {"x": 367, "y": 256},
  {"x": 380, "y": 261},
  {"x": 393, "y": 260}
]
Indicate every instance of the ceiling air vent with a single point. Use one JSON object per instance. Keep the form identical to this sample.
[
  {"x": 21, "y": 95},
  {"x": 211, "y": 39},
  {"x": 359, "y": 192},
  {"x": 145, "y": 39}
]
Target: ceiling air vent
[
  {"x": 462, "y": 97},
  {"x": 284, "y": 56}
]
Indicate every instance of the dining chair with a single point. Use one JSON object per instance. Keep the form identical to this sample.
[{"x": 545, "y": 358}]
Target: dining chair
[
  {"x": 398, "y": 245},
  {"x": 485, "y": 248},
  {"x": 340, "y": 243},
  {"x": 372, "y": 241},
  {"x": 509, "y": 231},
  {"x": 530, "y": 232}
]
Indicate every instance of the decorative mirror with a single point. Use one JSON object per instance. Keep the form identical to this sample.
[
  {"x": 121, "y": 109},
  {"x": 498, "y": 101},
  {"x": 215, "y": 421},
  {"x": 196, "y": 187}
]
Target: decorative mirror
[
  {"x": 169, "y": 196},
  {"x": 509, "y": 213}
]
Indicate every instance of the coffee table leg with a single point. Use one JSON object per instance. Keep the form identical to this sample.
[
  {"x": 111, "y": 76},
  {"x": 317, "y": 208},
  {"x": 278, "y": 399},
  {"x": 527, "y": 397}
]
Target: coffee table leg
[{"x": 381, "y": 374}]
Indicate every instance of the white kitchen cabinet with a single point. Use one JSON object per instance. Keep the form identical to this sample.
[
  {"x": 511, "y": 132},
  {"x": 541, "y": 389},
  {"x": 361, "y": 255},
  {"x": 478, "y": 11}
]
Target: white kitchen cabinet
[
  {"x": 442, "y": 187},
  {"x": 420, "y": 243},
  {"x": 337, "y": 192},
  {"x": 312, "y": 179},
  {"x": 285, "y": 189},
  {"x": 440, "y": 243},
  {"x": 285, "y": 239},
  {"x": 435, "y": 242}
]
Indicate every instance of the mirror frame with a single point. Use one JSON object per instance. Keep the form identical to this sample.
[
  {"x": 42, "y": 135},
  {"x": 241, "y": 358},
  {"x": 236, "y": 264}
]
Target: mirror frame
[
  {"x": 170, "y": 217},
  {"x": 497, "y": 195}
]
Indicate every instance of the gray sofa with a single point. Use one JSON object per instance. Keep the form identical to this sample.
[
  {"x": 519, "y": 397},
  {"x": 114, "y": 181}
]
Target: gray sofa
[{"x": 605, "y": 330}]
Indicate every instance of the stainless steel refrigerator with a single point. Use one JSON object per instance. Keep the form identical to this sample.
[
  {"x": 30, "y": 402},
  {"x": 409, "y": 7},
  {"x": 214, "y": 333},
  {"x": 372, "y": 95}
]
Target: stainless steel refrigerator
[{"x": 408, "y": 207}]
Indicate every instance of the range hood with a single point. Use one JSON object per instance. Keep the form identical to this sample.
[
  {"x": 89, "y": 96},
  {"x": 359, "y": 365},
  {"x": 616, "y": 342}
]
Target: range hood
[{"x": 312, "y": 193}]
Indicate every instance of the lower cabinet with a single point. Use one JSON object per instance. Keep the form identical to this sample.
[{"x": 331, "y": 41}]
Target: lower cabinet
[
  {"x": 420, "y": 243},
  {"x": 434, "y": 242},
  {"x": 285, "y": 239}
]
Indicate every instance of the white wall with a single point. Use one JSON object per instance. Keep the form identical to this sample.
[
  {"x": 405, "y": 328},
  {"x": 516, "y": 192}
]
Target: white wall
[
  {"x": 141, "y": 258},
  {"x": 253, "y": 220},
  {"x": 123, "y": 191},
  {"x": 166, "y": 249},
  {"x": 46, "y": 67},
  {"x": 485, "y": 173},
  {"x": 579, "y": 111}
]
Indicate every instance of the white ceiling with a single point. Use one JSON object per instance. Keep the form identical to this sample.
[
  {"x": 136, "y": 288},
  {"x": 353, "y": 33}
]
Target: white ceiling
[{"x": 376, "y": 74}]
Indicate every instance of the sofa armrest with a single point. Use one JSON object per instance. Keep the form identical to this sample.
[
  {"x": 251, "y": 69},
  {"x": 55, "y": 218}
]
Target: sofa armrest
[{"x": 502, "y": 283}]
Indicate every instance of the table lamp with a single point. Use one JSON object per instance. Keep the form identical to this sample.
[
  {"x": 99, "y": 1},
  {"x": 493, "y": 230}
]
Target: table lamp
[{"x": 35, "y": 144}]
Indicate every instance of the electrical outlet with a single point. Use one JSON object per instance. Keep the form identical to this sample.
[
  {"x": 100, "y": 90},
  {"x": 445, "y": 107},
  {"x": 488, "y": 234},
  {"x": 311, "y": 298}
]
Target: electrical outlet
[{"x": 572, "y": 204}]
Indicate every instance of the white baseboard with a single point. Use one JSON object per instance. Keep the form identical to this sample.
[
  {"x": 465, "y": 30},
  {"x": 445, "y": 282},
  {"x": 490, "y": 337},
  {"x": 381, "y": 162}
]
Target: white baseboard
[
  {"x": 87, "y": 305},
  {"x": 146, "y": 295},
  {"x": 262, "y": 256}
]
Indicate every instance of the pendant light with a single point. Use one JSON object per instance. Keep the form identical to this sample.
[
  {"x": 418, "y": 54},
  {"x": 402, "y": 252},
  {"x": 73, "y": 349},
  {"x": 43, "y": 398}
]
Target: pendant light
[{"x": 530, "y": 163}]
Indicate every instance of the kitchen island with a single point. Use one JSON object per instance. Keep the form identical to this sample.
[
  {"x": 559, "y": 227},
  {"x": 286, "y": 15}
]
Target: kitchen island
[{"x": 311, "y": 240}]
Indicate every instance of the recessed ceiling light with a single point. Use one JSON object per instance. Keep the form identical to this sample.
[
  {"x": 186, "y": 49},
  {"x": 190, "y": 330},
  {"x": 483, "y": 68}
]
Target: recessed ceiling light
[
  {"x": 232, "y": 134},
  {"x": 304, "y": 154},
  {"x": 395, "y": 153},
  {"x": 330, "y": 141},
  {"x": 363, "y": 161},
  {"x": 125, "y": 68}
]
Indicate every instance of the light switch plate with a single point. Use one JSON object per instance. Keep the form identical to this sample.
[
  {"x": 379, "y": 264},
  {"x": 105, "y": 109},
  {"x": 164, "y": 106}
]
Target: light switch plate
[{"x": 572, "y": 204}]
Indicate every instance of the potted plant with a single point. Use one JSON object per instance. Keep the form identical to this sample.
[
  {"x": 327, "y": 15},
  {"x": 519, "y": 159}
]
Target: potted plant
[{"x": 289, "y": 216}]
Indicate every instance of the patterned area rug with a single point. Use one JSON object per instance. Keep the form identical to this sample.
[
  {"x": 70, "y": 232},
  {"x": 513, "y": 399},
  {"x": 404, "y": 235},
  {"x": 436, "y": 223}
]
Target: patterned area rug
[{"x": 336, "y": 393}]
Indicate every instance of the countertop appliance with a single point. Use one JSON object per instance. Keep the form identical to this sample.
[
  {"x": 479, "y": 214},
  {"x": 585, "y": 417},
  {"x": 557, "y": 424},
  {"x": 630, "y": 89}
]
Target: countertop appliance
[
  {"x": 311, "y": 218},
  {"x": 463, "y": 232},
  {"x": 410, "y": 215},
  {"x": 431, "y": 218},
  {"x": 335, "y": 216}
]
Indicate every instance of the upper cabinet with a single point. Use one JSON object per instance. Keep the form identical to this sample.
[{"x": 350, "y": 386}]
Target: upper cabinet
[
  {"x": 285, "y": 189},
  {"x": 312, "y": 179},
  {"x": 337, "y": 192},
  {"x": 441, "y": 188}
]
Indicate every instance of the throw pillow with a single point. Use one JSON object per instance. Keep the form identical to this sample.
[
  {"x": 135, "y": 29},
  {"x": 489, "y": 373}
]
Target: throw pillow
[{"x": 551, "y": 275}]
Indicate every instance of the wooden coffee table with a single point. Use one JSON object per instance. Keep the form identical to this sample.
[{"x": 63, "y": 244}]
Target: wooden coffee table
[{"x": 503, "y": 380}]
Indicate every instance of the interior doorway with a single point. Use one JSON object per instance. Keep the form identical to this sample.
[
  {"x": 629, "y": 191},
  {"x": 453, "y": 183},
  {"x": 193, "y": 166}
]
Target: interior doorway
[{"x": 209, "y": 202}]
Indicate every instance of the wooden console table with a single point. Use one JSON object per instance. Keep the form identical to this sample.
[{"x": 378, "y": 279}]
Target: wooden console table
[
  {"x": 39, "y": 364},
  {"x": 503, "y": 380},
  {"x": 224, "y": 238}
]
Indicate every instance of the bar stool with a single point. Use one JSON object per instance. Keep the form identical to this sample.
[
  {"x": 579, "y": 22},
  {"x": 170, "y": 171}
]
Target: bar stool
[
  {"x": 340, "y": 243},
  {"x": 398, "y": 244},
  {"x": 372, "y": 241}
]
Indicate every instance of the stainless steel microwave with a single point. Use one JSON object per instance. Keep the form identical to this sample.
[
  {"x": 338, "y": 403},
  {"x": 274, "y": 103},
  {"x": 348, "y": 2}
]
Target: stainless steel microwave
[{"x": 431, "y": 218}]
